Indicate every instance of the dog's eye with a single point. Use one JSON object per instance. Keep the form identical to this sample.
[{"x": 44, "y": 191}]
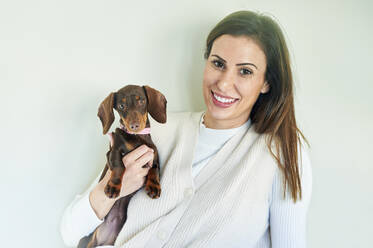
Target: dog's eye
[
  {"x": 121, "y": 106},
  {"x": 142, "y": 101}
]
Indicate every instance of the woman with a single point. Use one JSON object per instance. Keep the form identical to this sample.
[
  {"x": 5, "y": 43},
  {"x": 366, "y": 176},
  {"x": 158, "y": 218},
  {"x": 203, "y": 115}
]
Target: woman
[{"x": 249, "y": 181}]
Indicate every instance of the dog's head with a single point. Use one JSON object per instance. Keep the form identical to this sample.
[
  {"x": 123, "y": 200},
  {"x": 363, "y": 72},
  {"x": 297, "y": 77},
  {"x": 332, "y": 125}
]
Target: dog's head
[{"x": 133, "y": 103}]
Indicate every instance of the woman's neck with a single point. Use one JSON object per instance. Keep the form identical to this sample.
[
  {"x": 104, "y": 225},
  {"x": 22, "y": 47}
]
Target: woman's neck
[{"x": 213, "y": 123}]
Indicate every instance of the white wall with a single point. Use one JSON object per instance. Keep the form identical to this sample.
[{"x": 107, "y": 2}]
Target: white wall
[{"x": 59, "y": 59}]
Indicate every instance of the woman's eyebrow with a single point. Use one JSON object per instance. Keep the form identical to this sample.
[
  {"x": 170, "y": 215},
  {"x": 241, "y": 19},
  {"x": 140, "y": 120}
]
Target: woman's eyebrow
[{"x": 236, "y": 64}]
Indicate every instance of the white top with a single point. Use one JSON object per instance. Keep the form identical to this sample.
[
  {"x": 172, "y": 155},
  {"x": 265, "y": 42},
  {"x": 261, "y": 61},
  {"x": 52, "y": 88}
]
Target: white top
[
  {"x": 284, "y": 226},
  {"x": 209, "y": 142}
]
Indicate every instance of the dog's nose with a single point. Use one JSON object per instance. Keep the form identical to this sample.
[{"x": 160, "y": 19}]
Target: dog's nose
[{"x": 134, "y": 126}]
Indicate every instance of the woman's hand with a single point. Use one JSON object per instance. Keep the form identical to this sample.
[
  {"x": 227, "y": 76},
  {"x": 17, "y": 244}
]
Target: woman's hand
[
  {"x": 135, "y": 174},
  {"x": 133, "y": 179}
]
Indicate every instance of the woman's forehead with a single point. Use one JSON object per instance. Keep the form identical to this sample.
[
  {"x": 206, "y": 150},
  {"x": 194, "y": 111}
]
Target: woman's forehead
[{"x": 238, "y": 49}]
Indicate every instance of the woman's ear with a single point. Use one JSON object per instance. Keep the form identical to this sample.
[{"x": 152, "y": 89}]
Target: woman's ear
[
  {"x": 156, "y": 104},
  {"x": 105, "y": 112},
  {"x": 265, "y": 87}
]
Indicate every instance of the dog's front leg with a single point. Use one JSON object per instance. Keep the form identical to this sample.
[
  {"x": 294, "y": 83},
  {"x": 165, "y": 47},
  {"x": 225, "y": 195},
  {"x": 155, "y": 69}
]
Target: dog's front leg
[
  {"x": 152, "y": 185},
  {"x": 117, "y": 168}
]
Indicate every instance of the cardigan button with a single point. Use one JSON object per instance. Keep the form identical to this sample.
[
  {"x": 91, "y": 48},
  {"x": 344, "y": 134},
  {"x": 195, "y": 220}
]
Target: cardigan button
[{"x": 188, "y": 192}]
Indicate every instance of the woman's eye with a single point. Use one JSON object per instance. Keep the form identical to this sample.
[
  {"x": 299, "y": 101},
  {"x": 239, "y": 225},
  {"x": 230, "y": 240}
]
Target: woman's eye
[
  {"x": 245, "y": 71},
  {"x": 217, "y": 63}
]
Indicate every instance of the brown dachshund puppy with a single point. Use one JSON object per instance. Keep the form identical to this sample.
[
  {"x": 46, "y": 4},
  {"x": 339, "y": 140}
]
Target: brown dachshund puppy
[{"x": 133, "y": 103}]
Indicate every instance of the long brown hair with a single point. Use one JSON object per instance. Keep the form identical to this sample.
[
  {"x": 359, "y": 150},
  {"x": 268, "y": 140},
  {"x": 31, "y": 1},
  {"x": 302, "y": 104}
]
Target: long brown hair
[{"x": 273, "y": 112}]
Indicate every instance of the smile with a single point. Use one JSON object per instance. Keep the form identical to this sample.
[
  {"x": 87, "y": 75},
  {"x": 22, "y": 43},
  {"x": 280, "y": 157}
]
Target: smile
[{"x": 221, "y": 101}]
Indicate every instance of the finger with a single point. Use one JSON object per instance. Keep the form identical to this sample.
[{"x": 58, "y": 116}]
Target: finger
[
  {"x": 150, "y": 164},
  {"x": 137, "y": 153},
  {"x": 144, "y": 159}
]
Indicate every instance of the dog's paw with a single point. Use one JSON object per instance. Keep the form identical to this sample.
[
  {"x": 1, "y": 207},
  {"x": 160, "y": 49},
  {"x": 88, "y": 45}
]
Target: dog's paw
[
  {"x": 111, "y": 190},
  {"x": 153, "y": 190}
]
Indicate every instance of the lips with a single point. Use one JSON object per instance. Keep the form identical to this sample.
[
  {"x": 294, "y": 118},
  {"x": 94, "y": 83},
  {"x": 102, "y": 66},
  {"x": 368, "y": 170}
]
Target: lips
[{"x": 222, "y": 101}]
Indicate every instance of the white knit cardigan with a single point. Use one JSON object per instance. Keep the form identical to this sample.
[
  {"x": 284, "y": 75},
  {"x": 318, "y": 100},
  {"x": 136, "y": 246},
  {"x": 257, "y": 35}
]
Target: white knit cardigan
[
  {"x": 236, "y": 200},
  {"x": 227, "y": 203}
]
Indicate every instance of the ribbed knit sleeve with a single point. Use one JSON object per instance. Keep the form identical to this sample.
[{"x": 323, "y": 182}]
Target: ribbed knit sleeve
[
  {"x": 288, "y": 219},
  {"x": 79, "y": 219}
]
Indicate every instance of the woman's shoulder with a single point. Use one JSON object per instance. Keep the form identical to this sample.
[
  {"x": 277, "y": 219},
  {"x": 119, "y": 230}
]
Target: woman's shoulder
[
  {"x": 303, "y": 155},
  {"x": 305, "y": 173},
  {"x": 173, "y": 119},
  {"x": 174, "y": 125}
]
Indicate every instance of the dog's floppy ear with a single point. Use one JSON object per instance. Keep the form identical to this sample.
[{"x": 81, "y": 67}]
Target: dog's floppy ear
[
  {"x": 105, "y": 112},
  {"x": 156, "y": 104}
]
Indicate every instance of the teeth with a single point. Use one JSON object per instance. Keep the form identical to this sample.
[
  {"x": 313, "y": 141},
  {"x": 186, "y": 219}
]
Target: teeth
[{"x": 223, "y": 100}]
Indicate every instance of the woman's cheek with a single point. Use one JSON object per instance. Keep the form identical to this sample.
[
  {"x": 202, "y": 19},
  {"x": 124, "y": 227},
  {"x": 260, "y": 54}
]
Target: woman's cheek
[{"x": 211, "y": 77}]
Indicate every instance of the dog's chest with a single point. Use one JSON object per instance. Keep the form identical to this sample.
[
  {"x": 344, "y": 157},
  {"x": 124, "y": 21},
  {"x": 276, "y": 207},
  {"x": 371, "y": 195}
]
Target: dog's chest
[{"x": 132, "y": 141}]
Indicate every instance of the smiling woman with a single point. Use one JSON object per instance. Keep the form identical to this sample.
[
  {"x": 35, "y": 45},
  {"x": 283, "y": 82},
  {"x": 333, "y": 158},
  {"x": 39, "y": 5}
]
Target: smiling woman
[
  {"x": 234, "y": 77},
  {"x": 265, "y": 94},
  {"x": 234, "y": 175}
]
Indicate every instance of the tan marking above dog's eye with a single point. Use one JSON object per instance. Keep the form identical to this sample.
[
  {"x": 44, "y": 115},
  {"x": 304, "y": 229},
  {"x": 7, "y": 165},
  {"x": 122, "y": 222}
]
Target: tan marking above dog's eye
[
  {"x": 137, "y": 97},
  {"x": 124, "y": 99}
]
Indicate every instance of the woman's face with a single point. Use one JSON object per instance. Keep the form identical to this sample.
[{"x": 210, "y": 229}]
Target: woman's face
[{"x": 234, "y": 76}]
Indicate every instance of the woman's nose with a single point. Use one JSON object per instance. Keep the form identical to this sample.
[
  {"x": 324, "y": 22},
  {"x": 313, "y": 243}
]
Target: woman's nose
[{"x": 226, "y": 81}]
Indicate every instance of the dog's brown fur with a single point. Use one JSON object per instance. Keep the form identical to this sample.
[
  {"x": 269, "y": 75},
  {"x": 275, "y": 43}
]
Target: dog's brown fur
[{"x": 133, "y": 103}]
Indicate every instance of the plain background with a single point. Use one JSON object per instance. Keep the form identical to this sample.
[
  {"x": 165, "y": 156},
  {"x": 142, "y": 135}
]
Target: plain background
[{"x": 60, "y": 59}]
